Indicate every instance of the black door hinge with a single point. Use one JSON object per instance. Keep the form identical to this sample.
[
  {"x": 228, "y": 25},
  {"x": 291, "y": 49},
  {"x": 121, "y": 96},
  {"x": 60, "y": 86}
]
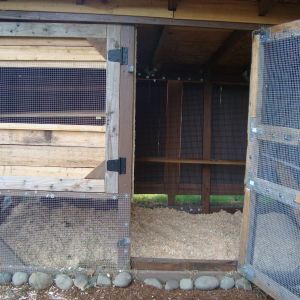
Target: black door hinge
[
  {"x": 118, "y": 55},
  {"x": 117, "y": 165}
]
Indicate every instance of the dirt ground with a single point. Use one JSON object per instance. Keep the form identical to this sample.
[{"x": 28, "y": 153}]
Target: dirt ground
[{"x": 136, "y": 291}]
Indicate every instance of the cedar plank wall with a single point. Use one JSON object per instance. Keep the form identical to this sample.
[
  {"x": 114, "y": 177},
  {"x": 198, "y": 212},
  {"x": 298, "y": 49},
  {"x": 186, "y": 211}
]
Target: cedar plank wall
[{"x": 229, "y": 138}]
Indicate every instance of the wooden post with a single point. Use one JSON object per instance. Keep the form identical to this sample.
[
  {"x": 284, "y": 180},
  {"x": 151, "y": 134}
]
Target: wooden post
[
  {"x": 252, "y": 149},
  {"x": 206, "y": 170},
  {"x": 112, "y": 108},
  {"x": 173, "y": 138},
  {"x": 126, "y": 142}
]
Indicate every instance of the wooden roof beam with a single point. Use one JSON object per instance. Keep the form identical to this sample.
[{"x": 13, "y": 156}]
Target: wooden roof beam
[
  {"x": 264, "y": 7},
  {"x": 229, "y": 42},
  {"x": 172, "y": 5}
]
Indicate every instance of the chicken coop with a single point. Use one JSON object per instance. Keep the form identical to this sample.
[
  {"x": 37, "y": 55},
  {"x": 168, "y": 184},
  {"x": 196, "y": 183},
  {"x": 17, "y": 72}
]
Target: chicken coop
[{"x": 147, "y": 134}]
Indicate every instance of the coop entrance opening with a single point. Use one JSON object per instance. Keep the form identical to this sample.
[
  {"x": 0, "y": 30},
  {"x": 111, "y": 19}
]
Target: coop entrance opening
[{"x": 191, "y": 132}]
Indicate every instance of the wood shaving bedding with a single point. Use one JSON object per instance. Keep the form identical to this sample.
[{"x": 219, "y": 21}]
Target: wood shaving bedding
[
  {"x": 61, "y": 237},
  {"x": 168, "y": 233}
]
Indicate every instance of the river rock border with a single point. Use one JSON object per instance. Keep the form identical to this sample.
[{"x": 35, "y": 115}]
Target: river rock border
[{"x": 40, "y": 281}]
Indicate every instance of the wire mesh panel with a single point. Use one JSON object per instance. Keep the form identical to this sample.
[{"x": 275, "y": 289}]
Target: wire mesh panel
[
  {"x": 273, "y": 166},
  {"x": 54, "y": 231},
  {"x": 52, "y": 114},
  {"x": 53, "y": 95}
]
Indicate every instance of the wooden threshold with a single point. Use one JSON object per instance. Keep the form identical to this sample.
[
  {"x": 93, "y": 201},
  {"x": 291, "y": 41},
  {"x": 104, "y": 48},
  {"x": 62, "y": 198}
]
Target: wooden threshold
[
  {"x": 191, "y": 161},
  {"x": 168, "y": 264}
]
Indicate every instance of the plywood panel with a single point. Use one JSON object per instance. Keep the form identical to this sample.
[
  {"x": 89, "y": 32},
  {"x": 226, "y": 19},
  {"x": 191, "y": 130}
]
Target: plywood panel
[
  {"x": 51, "y": 184},
  {"x": 52, "y": 138},
  {"x": 44, "y": 156}
]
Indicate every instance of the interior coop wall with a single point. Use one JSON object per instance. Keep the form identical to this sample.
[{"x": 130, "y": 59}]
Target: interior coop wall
[{"x": 229, "y": 137}]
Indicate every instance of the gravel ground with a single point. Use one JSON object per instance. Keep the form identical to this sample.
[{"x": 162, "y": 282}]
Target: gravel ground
[
  {"x": 136, "y": 291},
  {"x": 168, "y": 233}
]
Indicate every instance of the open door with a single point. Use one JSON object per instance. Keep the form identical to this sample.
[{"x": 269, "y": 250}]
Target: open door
[
  {"x": 270, "y": 245},
  {"x": 61, "y": 114},
  {"x": 66, "y": 144}
]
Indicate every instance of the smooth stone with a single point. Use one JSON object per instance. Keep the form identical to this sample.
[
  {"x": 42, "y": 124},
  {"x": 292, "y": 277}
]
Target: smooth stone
[
  {"x": 92, "y": 282},
  {"x": 103, "y": 280},
  {"x": 40, "y": 281},
  {"x": 206, "y": 283},
  {"x": 81, "y": 281},
  {"x": 227, "y": 283},
  {"x": 171, "y": 285},
  {"x": 122, "y": 280},
  {"x": 63, "y": 282},
  {"x": 243, "y": 284},
  {"x": 153, "y": 282},
  {"x": 19, "y": 278},
  {"x": 186, "y": 284},
  {"x": 234, "y": 275},
  {"x": 5, "y": 278}
]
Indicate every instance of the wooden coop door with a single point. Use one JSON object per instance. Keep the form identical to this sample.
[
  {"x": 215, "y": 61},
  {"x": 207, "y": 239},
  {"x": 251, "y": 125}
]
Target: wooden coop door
[
  {"x": 270, "y": 245},
  {"x": 60, "y": 113}
]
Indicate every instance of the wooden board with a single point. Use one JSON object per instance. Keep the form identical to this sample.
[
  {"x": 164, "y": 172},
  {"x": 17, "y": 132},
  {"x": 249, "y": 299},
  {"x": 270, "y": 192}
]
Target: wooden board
[
  {"x": 60, "y": 30},
  {"x": 191, "y": 161},
  {"x": 112, "y": 108},
  {"x": 50, "y": 156},
  {"x": 127, "y": 110},
  {"x": 167, "y": 264},
  {"x": 49, "y": 53},
  {"x": 60, "y": 127},
  {"x": 206, "y": 150},
  {"x": 173, "y": 138},
  {"x": 245, "y": 228},
  {"x": 254, "y": 77},
  {"x": 52, "y": 138},
  {"x": 51, "y": 184},
  {"x": 291, "y": 27},
  {"x": 45, "y": 171},
  {"x": 232, "y": 11},
  {"x": 27, "y": 41}
]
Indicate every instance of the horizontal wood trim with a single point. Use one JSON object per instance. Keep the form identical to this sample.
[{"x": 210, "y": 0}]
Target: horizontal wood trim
[
  {"x": 50, "y": 156},
  {"x": 66, "y": 114},
  {"x": 54, "y": 64},
  {"x": 16, "y": 41},
  {"x": 291, "y": 27},
  {"x": 188, "y": 189},
  {"x": 52, "y": 138},
  {"x": 278, "y": 134},
  {"x": 98, "y": 18},
  {"x": 48, "y": 53},
  {"x": 136, "y": 10},
  {"x": 190, "y": 161},
  {"x": 27, "y": 126},
  {"x": 60, "y": 30},
  {"x": 166, "y": 264},
  {"x": 44, "y": 171},
  {"x": 51, "y": 184}
]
